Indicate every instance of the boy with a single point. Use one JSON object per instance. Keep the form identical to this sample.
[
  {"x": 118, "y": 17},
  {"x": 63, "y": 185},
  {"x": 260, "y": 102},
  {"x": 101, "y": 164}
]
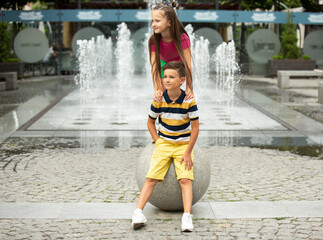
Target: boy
[{"x": 177, "y": 134}]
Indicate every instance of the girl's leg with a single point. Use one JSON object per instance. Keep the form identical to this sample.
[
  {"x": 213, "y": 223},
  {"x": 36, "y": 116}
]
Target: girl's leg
[
  {"x": 187, "y": 194},
  {"x": 146, "y": 191}
]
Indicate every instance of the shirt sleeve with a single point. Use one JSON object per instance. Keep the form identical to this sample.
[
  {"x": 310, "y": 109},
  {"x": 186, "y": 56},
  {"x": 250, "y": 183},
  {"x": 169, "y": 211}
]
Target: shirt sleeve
[
  {"x": 154, "y": 111},
  {"x": 193, "y": 111},
  {"x": 185, "y": 41}
]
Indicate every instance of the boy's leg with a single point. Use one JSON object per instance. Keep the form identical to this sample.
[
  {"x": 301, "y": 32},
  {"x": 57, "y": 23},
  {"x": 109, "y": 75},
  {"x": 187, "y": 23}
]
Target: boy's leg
[
  {"x": 138, "y": 218},
  {"x": 146, "y": 192},
  {"x": 159, "y": 165},
  {"x": 187, "y": 194},
  {"x": 185, "y": 178}
]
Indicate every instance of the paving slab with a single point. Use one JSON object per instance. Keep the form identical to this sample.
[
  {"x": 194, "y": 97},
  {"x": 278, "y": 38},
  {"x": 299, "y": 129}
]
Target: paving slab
[
  {"x": 206, "y": 210},
  {"x": 27, "y": 111}
]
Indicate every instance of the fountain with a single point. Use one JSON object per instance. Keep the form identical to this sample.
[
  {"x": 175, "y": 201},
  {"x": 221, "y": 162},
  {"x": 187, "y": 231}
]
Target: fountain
[
  {"x": 93, "y": 78},
  {"x": 94, "y": 59},
  {"x": 227, "y": 75},
  {"x": 123, "y": 54},
  {"x": 200, "y": 61},
  {"x": 125, "y": 69}
]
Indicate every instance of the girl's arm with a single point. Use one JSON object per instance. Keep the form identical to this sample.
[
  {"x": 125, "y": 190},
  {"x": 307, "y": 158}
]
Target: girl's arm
[
  {"x": 189, "y": 84},
  {"x": 157, "y": 82}
]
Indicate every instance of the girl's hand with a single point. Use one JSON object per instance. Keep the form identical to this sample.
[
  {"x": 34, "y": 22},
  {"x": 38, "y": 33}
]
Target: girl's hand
[
  {"x": 189, "y": 94},
  {"x": 188, "y": 162},
  {"x": 158, "y": 96}
]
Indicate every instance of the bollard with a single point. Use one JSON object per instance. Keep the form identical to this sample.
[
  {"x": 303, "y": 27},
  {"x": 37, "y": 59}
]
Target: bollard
[
  {"x": 11, "y": 80},
  {"x": 320, "y": 93}
]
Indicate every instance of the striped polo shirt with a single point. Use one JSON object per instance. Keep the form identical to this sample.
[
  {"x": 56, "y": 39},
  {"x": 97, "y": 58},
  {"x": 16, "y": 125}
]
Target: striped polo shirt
[{"x": 174, "y": 117}]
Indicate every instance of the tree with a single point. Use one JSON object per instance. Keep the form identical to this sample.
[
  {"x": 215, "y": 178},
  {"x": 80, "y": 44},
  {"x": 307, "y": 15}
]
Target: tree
[
  {"x": 267, "y": 4},
  {"x": 311, "y": 6},
  {"x": 251, "y": 5},
  {"x": 289, "y": 48},
  {"x": 4, "y": 43},
  {"x": 14, "y": 4}
]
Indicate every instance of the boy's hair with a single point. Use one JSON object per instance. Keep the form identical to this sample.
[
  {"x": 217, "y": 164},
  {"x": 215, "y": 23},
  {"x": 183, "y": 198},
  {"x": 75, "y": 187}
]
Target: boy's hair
[
  {"x": 176, "y": 29},
  {"x": 178, "y": 66}
]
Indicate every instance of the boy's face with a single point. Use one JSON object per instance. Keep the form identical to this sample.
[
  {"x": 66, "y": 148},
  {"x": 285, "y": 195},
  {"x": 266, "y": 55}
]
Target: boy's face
[{"x": 172, "y": 80}]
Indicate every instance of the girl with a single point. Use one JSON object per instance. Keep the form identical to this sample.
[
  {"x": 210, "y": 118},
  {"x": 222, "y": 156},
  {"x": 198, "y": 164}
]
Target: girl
[{"x": 169, "y": 42}]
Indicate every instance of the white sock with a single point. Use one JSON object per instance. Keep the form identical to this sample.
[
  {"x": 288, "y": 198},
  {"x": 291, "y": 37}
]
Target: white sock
[{"x": 186, "y": 214}]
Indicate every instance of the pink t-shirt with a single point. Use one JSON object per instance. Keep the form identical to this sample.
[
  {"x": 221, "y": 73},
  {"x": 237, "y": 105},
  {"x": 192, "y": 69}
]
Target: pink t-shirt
[{"x": 168, "y": 51}]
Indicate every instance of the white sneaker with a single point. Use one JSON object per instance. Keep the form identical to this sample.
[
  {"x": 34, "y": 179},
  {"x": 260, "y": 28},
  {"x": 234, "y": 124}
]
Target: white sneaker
[
  {"x": 138, "y": 219},
  {"x": 187, "y": 223}
]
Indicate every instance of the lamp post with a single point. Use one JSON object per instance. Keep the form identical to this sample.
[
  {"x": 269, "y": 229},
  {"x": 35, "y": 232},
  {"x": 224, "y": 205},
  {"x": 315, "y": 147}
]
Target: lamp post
[
  {"x": 217, "y": 8},
  {"x": 79, "y": 6}
]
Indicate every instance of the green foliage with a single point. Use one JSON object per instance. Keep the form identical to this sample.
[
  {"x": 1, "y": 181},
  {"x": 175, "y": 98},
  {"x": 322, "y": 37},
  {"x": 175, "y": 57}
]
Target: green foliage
[
  {"x": 289, "y": 48},
  {"x": 311, "y": 6},
  {"x": 4, "y": 43},
  {"x": 277, "y": 57},
  {"x": 13, "y": 4},
  {"x": 251, "y": 4},
  {"x": 12, "y": 59},
  {"x": 292, "y": 3},
  {"x": 267, "y": 4},
  {"x": 305, "y": 57}
]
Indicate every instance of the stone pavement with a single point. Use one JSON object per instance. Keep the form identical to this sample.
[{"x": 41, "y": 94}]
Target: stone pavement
[
  {"x": 55, "y": 171},
  {"x": 302, "y": 95}
]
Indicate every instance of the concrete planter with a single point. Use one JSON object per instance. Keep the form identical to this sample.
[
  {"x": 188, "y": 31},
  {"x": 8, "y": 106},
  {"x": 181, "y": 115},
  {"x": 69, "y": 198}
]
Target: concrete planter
[
  {"x": 289, "y": 64},
  {"x": 12, "y": 67}
]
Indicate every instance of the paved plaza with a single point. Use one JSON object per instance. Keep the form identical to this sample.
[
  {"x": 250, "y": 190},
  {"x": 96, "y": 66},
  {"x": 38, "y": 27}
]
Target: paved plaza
[{"x": 52, "y": 189}]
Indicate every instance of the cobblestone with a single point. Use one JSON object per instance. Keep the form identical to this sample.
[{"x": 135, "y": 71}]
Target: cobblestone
[{"x": 56, "y": 170}]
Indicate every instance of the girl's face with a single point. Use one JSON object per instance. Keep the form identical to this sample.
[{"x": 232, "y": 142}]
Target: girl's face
[{"x": 160, "y": 23}]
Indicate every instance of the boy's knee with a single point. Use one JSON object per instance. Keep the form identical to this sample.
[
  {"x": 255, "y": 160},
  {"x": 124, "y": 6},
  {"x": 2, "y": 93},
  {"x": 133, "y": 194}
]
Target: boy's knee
[
  {"x": 151, "y": 181},
  {"x": 185, "y": 181}
]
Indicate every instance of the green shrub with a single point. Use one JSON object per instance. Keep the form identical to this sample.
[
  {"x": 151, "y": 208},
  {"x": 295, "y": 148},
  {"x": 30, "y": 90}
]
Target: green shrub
[
  {"x": 289, "y": 48},
  {"x": 277, "y": 57},
  {"x": 305, "y": 57},
  {"x": 4, "y": 43}
]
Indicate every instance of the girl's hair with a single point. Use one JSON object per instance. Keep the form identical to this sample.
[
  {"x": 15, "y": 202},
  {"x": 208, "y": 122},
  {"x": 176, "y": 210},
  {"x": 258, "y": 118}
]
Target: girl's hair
[{"x": 176, "y": 29}]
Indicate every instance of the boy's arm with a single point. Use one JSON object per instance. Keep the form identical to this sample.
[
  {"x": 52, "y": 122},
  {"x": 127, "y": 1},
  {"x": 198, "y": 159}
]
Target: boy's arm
[
  {"x": 152, "y": 129},
  {"x": 187, "y": 157}
]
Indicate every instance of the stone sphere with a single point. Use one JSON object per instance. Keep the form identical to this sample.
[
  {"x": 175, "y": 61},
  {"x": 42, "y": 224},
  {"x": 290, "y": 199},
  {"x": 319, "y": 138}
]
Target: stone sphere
[{"x": 167, "y": 195}]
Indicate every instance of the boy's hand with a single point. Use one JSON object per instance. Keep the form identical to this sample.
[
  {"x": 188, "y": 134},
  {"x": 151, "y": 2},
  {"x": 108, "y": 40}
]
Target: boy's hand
[
  {"x": 189, "y": 94},
  {"x": 154, "y": 140},
  {"x": 158, "y": 96},
  {"x": 187, "y": 159}
]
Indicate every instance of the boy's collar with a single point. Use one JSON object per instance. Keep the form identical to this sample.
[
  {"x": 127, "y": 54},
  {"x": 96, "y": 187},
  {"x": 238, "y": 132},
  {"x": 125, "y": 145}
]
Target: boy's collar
[{"x": 178, "y": 100}]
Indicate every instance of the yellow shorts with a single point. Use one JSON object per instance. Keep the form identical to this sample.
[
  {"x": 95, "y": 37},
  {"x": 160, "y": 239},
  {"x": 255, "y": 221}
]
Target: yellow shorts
[{"x": 163, "y": 154}]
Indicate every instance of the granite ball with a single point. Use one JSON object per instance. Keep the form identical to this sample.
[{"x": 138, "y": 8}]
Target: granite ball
[{"x": 167, "y": 195}]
